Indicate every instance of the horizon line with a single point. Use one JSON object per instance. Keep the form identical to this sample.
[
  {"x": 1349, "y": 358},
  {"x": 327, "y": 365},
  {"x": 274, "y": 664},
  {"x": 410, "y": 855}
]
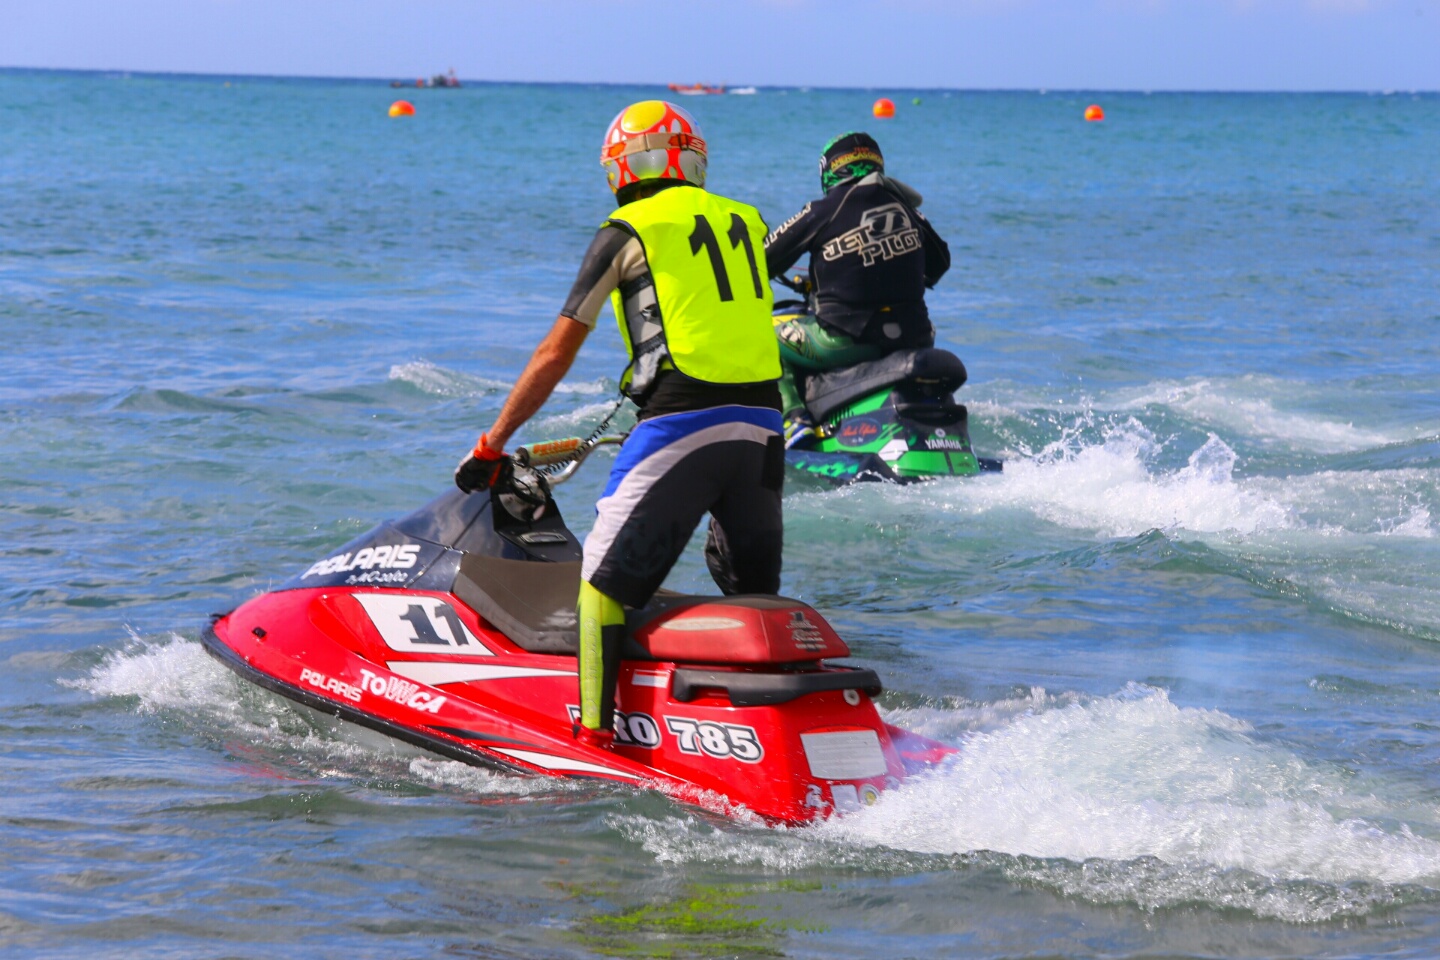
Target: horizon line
[{"x": 357, "y": 79}]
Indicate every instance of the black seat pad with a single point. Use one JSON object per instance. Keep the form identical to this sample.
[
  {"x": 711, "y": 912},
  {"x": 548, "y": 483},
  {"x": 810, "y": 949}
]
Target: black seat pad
[
  {"x": 533, "y": 603},
  {"x": 937, "y": 372}
]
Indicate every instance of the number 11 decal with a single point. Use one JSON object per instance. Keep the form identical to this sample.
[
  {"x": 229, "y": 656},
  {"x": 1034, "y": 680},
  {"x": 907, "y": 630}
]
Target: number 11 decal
[
  {"x": 740, "y": 233},
  {"x": 704, "y": 236}
]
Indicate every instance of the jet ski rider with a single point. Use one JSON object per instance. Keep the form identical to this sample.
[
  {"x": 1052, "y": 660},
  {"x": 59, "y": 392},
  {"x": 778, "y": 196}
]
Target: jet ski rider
[
  {"x": 872, "y": 255},
  {"x": 685, "y": 272}
]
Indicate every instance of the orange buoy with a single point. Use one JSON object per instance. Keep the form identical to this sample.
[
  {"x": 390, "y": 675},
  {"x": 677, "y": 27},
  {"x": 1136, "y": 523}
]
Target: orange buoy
[
  {"x": 884, "y": 108},
  {"x": 1093, "y": 113},
  {"x": 402, "y": 108}
]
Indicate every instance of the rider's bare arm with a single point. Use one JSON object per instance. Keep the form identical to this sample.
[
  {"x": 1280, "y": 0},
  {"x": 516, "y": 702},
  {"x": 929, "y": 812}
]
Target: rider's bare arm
[{"x": 548, "y": 365}]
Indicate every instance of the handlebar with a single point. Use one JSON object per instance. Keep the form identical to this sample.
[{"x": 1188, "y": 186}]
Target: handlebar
[
  {"x": 546, "y": 452},
  {"x": 569, "y": 452},
  {"x": 798, "y": 283}
]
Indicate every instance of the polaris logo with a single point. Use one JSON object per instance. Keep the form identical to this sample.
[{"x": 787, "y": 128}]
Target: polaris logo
[
  {"x": 395, "y": 557},
  {"x": 330, "y": 685}
]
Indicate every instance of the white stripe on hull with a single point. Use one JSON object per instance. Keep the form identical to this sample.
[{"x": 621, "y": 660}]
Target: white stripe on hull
[
  {"x": 437, "y": 674},
  {"x": 549, "y": 762}
]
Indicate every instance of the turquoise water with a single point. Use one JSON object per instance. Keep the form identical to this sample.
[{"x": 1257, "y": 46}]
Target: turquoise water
[{"x": 1189, "y": 641}]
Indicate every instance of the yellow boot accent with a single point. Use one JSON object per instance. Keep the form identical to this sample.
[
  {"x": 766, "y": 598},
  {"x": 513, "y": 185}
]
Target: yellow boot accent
[{"x": 602, "y": 619}]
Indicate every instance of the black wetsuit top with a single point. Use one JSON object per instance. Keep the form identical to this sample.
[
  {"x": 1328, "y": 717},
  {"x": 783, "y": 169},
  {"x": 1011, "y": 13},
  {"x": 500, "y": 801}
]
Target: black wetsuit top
[{"x": 871, "y": 257}]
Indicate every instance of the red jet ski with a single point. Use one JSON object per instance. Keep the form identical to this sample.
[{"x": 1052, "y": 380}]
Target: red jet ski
[{"x": 454, "y": 629}]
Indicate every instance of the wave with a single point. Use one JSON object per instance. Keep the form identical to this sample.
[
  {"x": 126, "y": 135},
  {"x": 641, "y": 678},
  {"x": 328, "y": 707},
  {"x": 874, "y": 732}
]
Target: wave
[
  {"x": 1121, "y": 799},
  {"x": 1127, "y": 798},
  {"x": 176, "y": 678},
  {"x": 1359, "y": 542},
  {"x": 429, "y": 378},
  {"x": 1110, "y": 488},
  {"x": 1266, "y": 411},
  {"x": 1247, "y": 406},
  {"x": 439, "y": 382}
]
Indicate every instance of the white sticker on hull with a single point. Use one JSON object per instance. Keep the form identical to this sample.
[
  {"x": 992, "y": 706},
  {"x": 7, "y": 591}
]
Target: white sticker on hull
[
  {"x": 395, "y": 557},
  {"x": 330, "y": 684},
  {"x": 438, "y": 674},
  {"x": 845, "y": 796},
  {"x": 844, "y": 754},
  {"x": 692, "y": 624},
  {"x": 398, "y": 690},
  {"x": 415, "y": 624},
  {"x": 547, "y": 761}
]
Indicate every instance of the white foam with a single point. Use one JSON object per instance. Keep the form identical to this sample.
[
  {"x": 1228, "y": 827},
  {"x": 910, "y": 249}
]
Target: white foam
[
  {"x": 600, "y": 385},
  {"x": 1109, "y": 488},
  {"x": 1417, "y": 525},
  {"x": 1246, "y": 406},
  {"x": 1114, "y": 489},
  {"x": 438, "y": 381},
  {"x": 1123, "y": 798},
  {"x": 1337, "y": 503},
  {"x": 177, "y": 675},
  {"x": 1260, "y": 409},
  {"x": 1136, "y": 776},
  {"x": 453, "y": 775},
  {"x": 581, "y": 420},
  {"x": 442, "y": 382}
]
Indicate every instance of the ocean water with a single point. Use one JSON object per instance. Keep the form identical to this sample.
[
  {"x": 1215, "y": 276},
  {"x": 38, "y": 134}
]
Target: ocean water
[{"x": 1188, "y": 642}]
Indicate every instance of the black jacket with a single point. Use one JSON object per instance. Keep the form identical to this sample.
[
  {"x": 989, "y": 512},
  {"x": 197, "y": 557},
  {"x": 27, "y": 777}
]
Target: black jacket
[{"x": 872, "y": 255}]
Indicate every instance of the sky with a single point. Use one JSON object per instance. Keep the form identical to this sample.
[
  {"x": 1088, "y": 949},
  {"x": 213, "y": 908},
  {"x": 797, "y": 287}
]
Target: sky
[{"x": 1370, "y": 45}]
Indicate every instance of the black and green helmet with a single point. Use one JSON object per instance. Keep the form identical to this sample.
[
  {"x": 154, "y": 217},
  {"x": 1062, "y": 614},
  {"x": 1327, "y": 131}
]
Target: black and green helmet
[{"x": 849, "y": 157}]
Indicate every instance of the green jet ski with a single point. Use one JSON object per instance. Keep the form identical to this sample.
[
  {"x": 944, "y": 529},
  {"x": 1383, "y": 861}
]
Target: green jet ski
[{"x": 892, "y": 419}]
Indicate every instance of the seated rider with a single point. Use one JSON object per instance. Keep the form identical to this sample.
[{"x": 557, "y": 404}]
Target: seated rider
[
  {"x": 684, "y": 272},
  {"x": 871, "y": 257}
]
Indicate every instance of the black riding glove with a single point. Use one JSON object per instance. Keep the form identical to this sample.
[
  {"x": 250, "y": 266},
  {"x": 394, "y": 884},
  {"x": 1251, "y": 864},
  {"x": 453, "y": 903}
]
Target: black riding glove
[{"x": 481, "y": 468}]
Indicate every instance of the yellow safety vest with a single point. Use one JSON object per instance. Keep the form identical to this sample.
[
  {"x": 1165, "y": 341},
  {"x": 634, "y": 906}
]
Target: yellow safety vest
[{"x": 705, "y": 310}]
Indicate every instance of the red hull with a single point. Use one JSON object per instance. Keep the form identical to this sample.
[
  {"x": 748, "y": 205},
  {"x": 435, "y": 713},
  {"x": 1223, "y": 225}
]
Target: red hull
[{"x": 768, "y": 728}]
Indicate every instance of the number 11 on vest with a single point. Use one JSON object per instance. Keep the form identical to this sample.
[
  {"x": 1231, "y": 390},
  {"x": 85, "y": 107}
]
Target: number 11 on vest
[{"x": 704, "y": 236}]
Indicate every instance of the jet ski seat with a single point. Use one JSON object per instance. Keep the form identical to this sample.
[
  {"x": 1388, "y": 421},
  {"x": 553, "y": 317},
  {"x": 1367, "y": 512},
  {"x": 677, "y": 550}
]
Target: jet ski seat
[
  {"x": 936, "y": 373},
  {"x": 533, "y": 604}
]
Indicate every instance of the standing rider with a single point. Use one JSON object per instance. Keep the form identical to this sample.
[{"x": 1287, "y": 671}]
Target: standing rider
[
  {"x": 872, "y": 255},
  {"x": 685, "y": 271}
]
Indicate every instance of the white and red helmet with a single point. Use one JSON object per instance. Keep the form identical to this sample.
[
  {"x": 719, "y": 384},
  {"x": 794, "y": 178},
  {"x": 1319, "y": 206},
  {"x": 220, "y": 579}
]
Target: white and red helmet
[{"x": 653, "y": 140}]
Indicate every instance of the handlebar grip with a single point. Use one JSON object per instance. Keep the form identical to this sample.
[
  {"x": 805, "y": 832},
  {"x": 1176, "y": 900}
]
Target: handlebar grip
[{"x": 547, "y": 452}]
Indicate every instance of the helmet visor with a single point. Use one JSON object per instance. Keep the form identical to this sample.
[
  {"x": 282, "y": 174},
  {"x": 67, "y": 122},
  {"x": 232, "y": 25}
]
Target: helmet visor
[{"x": 641, "y": 143}]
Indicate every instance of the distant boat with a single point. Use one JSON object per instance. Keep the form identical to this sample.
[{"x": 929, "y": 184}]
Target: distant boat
[
  {"x": 446, "y": 81},
  {"x": 745, "y": 91},
  {"x": 695, "y": 89}
]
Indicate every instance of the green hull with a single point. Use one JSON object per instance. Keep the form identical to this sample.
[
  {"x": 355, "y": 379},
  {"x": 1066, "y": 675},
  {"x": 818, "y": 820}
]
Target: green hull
[{"x": 884, "y": 437}]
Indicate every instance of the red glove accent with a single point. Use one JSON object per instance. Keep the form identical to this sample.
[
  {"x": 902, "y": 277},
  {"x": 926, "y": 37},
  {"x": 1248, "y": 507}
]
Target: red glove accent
[{"x": 483, "y": 451}]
